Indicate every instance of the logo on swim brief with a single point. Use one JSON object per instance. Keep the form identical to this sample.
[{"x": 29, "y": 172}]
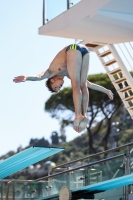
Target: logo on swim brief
[{"x": 73, "y": 46}]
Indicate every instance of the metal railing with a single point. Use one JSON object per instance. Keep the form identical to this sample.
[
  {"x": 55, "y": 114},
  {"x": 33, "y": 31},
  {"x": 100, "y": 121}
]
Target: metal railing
[
  {"x": 59, "y": 7},
  {"x": 74, "y": 176},
  {"x": 92, "y": 156},
  {"x": 77, "y": 168},
  {"x": 123, "y": 167}
]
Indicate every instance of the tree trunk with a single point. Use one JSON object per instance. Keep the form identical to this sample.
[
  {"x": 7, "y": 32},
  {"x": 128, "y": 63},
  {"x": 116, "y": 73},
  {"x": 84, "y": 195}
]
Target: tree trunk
[
  {"x": 106, "y": 137},
  {"x": 90, "y": 141}
]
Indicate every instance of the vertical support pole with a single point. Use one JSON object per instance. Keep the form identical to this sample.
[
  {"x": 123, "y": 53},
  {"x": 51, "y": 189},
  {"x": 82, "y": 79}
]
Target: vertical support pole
[
  {"x": 43, "y": 13},
  {"x": 87, "y": 176},
  {"x": 7, "y": 189},
  {"x": 40, "y": 190},
  {"x": 49, "y": 181},
  {"x": 68, "y": 3},
  {"x": 68, "y": 178},
  {"x": 1, "y": 190},
  {"x": 13, "y": 191},
  {"x": 127, "y": 170}
]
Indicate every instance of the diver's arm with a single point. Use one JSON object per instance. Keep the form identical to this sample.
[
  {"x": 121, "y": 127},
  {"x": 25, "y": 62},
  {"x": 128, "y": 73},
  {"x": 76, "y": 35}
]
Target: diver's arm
[
  {"x": 38, "y": 77},
  {"x": 94, "y": 86}
]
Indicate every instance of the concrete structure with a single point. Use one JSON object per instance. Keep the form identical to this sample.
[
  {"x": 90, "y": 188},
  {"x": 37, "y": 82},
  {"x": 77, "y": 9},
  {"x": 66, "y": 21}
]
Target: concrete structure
[{"x": 96, "y": 21}]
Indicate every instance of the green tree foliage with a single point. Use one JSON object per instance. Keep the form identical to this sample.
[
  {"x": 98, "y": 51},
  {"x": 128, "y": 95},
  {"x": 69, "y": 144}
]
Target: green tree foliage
[
  {"x": 39, "y": 142},
  {"x": 101, "y": 109}
]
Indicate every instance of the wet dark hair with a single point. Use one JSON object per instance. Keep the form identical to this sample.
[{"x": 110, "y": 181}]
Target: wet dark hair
[{"x": 48, "y": 85}]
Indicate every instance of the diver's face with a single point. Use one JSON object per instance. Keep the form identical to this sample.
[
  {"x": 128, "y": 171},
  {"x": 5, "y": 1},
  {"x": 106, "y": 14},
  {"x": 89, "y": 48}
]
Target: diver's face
[{"x": 57, "y": 83}]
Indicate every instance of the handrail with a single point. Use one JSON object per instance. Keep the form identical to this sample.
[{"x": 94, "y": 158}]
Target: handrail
[
  {"x": 76, "y": 168},
  {"x": 15, "y": 180},
  {"x": 93, "y": 155},
  {"x": 44, "y": 17}
]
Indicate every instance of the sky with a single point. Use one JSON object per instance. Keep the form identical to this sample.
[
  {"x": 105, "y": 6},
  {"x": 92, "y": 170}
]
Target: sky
[{"x": 24, "y": 52}]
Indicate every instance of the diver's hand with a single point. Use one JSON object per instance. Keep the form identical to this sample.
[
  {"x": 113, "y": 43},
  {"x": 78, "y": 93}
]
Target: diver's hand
[
  {"x": 19, "y": 79},
  {"x": 110, "y": 94}
]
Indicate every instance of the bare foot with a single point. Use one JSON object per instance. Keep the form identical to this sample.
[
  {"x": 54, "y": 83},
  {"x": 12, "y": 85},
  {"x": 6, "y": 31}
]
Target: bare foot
[
  {"x": 76, "y": 123},
  {"x": 83, "y": 124}
]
